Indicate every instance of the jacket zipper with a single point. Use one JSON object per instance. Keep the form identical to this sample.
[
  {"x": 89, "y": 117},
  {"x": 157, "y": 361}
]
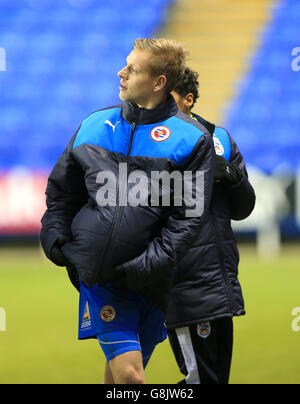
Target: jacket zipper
[
  {"x": 117, "y": 215},
  {"x": 119, "y": 209},
  {"x": 131, "y": 138}
]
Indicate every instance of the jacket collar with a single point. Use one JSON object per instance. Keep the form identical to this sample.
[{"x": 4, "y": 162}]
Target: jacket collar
[
  {"x": 208, "y": 125},
  {"x": 143, "y": 116}
]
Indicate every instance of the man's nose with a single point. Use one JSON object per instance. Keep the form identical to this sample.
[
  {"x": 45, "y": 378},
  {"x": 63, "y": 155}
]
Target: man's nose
[{"x": 122, "y": 73}]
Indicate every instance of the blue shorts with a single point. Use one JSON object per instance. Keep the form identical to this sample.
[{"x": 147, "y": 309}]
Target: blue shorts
[{"x": 121, "y": 320}]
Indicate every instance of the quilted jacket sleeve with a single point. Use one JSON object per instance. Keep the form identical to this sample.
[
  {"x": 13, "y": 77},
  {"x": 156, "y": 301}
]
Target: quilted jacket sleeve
[
  {"x": 65, "y": 195},
  {"x": 242, "y": 195}
]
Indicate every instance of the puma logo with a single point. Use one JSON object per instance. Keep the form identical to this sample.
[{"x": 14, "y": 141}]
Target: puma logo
[{"x": 110, "y": 124}]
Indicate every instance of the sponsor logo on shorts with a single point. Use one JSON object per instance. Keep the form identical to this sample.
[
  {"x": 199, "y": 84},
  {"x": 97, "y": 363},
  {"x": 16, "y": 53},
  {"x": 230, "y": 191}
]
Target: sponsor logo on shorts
[
  {"x": 86, "y": 318},
  {"x": 107, "y": 313},
  {"x": 204, "y": 329}
]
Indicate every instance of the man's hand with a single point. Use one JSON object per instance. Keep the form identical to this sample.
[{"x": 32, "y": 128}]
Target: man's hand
[
  {"x": 57, "y": 256},
  {"x": 226, "y": 172}
]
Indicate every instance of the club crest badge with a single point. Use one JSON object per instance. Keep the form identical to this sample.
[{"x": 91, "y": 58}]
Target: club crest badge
[
  {"x": 107, "y": 313},
  {"x": 218, "y": 147},
  {"x": 204, "y": 329},
  {"x": 160, "y": 133}
]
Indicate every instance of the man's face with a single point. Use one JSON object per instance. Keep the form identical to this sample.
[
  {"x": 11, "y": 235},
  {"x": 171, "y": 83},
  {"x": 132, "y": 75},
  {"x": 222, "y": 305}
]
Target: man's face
[{"x": 137, "y": 85}]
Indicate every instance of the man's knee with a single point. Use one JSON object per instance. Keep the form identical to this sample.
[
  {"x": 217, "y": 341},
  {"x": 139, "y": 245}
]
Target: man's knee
[
  {"x": 130, "y": 375},
  {"x": 127, "y": 368}
]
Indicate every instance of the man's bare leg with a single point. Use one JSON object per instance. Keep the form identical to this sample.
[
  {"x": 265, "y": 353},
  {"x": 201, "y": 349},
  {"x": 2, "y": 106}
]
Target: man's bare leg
[
  {"x": 108, "y": 379},
  {"x": 127, "y": 368}
]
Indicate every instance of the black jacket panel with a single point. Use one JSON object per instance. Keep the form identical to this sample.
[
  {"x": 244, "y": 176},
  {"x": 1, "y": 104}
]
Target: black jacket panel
[{"x": 206, "y": 283}]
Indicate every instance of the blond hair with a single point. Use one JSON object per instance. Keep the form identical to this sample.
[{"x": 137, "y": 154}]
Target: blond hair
[{"x": 168, "y": 58}]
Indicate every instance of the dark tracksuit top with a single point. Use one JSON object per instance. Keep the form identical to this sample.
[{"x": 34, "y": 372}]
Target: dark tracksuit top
[
  {"x": 148, "y": 240},
  {"x": 206, "y": 283}
]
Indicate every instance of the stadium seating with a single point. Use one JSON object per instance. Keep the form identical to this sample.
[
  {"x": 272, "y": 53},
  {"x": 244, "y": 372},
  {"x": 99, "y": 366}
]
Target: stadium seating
[
  {"x": 243, "y": 54},
  {"x": 265, "y": 117},
  {"x": 62, "y": 64},
  {"x": 62, "y": 59}
]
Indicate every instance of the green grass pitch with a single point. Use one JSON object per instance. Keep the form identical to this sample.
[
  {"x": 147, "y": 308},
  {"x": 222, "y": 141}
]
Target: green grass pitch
[{"x": 40, "y": 342}]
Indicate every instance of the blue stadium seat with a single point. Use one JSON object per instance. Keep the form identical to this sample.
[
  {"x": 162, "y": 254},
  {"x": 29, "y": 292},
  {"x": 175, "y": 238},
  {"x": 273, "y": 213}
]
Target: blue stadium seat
[
  {"x": 265, "y": 118},
  {"x": 62, "y": 64}
]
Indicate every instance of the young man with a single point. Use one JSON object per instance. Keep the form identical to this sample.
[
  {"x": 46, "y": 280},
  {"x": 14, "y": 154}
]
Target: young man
[
  {"x": 107, "y": 218},
  {"x": 207, "y": 293}
]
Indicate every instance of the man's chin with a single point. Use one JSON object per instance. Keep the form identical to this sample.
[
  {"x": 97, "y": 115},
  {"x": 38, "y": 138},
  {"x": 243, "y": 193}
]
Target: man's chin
[{"x": 122, "y": 96}]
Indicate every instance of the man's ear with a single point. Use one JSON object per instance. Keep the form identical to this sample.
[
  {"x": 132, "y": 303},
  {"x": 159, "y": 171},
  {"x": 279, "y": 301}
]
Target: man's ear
[
  {"x": 189, "y": 101},
  {"x": 160, "y": 82}
]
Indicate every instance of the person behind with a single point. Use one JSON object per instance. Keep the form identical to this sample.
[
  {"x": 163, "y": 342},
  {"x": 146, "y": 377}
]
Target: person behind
[
  {"x": 120, "y": 250},
  {"x": 207, "y": 293}
]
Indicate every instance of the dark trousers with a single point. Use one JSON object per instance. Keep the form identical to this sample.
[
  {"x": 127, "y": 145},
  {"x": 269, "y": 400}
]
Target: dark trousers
[{"x": 203, "y": 351}]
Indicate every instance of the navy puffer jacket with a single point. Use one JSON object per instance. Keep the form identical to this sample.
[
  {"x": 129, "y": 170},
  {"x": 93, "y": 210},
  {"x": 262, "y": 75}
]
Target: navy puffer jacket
[{"x": 112, "y": 158}]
